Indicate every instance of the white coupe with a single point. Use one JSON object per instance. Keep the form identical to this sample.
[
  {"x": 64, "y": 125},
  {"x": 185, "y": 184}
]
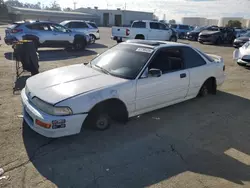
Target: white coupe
[
  {"x": 132, "y": 78},
  {"x": 242, "y": 55}
]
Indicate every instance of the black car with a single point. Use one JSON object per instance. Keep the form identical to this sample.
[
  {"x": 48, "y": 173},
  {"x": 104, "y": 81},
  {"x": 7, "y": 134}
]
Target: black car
[
  {"x": 217, "y": 35},
  {"x": 194, "y": 34},
  {"x": 240, "y": 41}
]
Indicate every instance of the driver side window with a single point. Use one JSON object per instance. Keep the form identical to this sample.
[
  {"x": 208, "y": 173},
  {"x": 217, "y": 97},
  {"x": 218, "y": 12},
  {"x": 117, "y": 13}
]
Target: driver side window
[
  {"x": 167, "y": 60},
  {"x": 57, "y": 28}
]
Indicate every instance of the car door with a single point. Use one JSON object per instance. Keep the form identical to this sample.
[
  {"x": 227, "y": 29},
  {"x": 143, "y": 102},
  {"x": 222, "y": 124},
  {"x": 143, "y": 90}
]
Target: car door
[
  {"x": 155, "y": 33},
  {"x": 171, "y": 86},
  {"x": 42, "y": 31},
  {"x": 61, "y": 35},
  {"x": 198, "y": 69},
  {"x": 166, "y": 33}
]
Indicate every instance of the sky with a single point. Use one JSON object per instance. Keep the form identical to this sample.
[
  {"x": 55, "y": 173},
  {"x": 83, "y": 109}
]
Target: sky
[{"x": 172, "y": 9}]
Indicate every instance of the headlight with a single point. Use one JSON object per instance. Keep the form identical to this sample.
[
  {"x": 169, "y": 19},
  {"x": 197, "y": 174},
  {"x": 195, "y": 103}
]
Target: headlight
[{"x": 49, "y": 109}]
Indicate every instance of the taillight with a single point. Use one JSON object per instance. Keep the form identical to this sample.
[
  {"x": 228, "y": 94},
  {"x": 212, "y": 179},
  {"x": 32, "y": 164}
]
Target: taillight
[
  {"x": 224, "y": 68},
  {"x": 16, "y": 30},
  {"x": 127, "y": 32}
]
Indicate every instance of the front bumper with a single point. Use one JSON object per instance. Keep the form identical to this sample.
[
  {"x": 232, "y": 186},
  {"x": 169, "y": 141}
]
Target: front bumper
[
  {"x": 238, "y": 44},
  {"x": 73, "y": 123},
  {"x": 243, "y": 63},
  {"x": 207, "y": 39}
]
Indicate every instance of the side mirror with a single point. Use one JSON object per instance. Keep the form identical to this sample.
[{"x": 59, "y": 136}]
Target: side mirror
[
  {"x": 236, "y": 54},
  {"x": 155, "y": 72}
]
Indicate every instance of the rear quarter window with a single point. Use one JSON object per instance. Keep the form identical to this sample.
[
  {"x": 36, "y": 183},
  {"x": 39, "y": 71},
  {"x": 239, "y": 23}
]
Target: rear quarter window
[
  {"x": 139, "y": 25},
  {"x": 93, "y": 25},
  {"x": 192, "y": 58}
]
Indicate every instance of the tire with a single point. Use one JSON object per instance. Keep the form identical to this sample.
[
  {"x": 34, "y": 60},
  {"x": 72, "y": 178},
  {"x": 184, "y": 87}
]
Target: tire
[
  {"x": 92, "y": 38},
  {"x": 173, "y": 39},
  {"x": 141, "y": 37},
  {"x": 209, "y": 87},
  {"x": 98, "y": 119},
  {"x": 79, "y": 44},
  {"x": 218, "y": 41}
]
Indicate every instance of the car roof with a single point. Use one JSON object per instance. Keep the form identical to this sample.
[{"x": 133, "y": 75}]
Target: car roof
[{"x": 154, "y": 44}]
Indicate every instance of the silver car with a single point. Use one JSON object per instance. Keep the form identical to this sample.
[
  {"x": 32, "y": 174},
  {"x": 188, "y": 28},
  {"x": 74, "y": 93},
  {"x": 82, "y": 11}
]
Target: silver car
[
  {"x": 87, "y": 27},
  {"x": 46, "y": 34}
]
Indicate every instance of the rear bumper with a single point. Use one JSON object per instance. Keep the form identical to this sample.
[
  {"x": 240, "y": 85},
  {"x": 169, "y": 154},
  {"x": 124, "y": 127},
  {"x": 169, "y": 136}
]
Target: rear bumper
[
  {"x": 206, "y": 39},
  {"x": 121, "y": 39},
  {"x": 10, "y": 40}
]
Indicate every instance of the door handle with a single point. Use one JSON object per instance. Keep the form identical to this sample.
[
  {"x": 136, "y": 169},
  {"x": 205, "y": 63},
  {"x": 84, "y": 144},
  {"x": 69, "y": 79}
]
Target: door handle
[
  {"x": 55, "y": 34},
  {"x": 183, "y": 75}
]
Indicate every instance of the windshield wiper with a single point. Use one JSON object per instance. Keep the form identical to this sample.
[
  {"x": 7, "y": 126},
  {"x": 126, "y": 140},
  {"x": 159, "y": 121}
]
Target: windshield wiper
[{"x": 102, "y": 69}]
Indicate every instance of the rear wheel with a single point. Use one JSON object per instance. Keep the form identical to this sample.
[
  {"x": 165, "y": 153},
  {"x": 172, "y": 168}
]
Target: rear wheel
[
  {"x": 92, "y": 38},
  {"x": 173, "y": 39},
  {"x": 141, "y": 37},
  {"x": 209, "y": 87},
  {"x": 218, "y": 41}
]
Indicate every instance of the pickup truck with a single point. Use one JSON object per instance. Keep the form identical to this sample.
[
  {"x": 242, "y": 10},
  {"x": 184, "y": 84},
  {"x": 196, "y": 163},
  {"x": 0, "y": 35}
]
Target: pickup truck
[{"x": 144, "y": 30}]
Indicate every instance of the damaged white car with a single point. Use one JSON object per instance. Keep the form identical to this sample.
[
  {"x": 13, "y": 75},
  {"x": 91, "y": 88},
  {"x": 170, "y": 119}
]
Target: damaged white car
[
  {"x": 131, "y": 78},
  {"x": 242, "y": 55}
]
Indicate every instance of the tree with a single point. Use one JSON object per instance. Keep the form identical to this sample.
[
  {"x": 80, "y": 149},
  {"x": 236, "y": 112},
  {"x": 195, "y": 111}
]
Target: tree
[
  {"x": 172, "y": 21},
  {"x": 234, "y": 23},
  {"x": 14, "y": 3},
  {"x": 3, "y": 9},
  {"x": 54, "y": 6},
  {"x": 67, "y": 9}
]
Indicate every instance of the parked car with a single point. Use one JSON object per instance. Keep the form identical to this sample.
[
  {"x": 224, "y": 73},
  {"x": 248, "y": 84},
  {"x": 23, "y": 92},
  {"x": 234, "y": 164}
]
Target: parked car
[
  {"x": 240, "y": 41},
  {"x": 240, "y": 32},
  {"x": 86, "y": 27},
  {"x": 217, "y": 35},
  {"x": 242, "y": 55},
  {"x": 131, "y": 78},
  {"x": 144, "y": 30},
  {"x": 45, "y": 34},
  {"x": 194, "y": 34},
  {"x": 181, "y": 29}
]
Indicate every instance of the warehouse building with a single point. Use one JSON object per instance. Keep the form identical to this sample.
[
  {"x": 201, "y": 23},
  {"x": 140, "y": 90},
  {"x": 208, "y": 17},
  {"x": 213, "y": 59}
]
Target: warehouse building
[
  {"x": 117, "y": 17},
  {"x": 194, "y": 21},
  {"x": 17, "y": 14}
]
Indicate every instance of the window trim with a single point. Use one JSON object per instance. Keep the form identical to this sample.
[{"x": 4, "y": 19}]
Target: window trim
[
  {"x": 139, "y": 22},
  {"x": 203, "y": 58},
  {"x": 156, "y": 53}
]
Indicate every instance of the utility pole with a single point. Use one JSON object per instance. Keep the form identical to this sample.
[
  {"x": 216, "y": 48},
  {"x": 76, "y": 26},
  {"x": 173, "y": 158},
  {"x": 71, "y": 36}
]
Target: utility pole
[{"x": 74, "y": 4}]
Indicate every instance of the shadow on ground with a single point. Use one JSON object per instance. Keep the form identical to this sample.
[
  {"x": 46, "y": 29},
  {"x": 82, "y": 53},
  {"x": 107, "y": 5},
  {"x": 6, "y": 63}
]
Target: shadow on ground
[
  {"x": 192, "y": 136},
  {"x": 97, "y": 45},
  {"x": 57, "y": 54}
]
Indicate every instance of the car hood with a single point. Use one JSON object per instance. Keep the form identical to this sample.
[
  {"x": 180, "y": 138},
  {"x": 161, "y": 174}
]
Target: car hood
[
  {"x": 59, "y": 84},
  {"x": 243, "y": 38},
  {"x": 209, "y": 32},
  {"x": 193, "y": 32}
]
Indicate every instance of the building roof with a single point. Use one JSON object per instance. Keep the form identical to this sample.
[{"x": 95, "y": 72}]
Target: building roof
[{"x": 19, "y": 10}]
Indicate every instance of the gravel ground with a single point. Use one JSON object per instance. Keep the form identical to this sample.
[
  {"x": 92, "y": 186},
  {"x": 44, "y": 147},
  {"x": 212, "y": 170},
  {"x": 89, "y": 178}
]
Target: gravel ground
[{"x": 200, "y": 143}]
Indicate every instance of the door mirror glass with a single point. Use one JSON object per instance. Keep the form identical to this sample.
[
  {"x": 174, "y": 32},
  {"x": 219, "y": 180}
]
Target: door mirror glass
[
  {"x": 154, "y": 73},
  {"x": 236, "y": 54}
]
